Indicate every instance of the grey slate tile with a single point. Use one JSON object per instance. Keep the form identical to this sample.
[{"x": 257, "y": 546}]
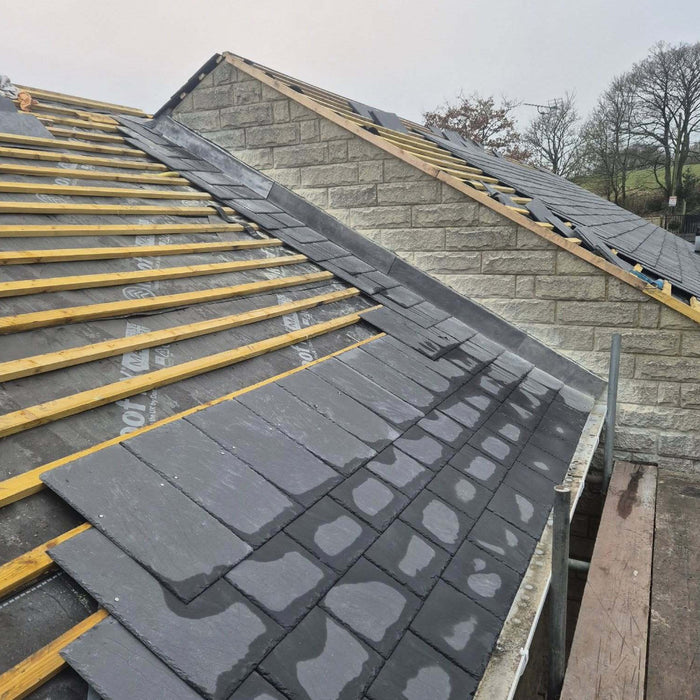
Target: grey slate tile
[
  {"x": 437, "y": 520},
  {"x": 283, "y": 579},
  {"x": 469, "y": 407},
  {"x": 503, "y": 541},
  {"x": 119, "y": 667},
  {"x": 370, "y": 498},
  {"x": 389, "y": 378},
  {"x": 408, "y": 557},
  {"x": 562, "y": 449},
  {"x": 420, "y": 372},
  {"x": 416, "y": 671},
  {"x": 441, "y": 426},
  {"x": 332, "y": 533},
  {"x": 535, "y": 486},
  {"x": 314, "y": 431},
  {"x": 424, "y": 447},
  {"x": 367, "y": 392},
  {"x": 212, "y": 477},
  {"x": 483, "y": 579},
  {"x": 460, "y": 491},
  {"x": 510, "y": 430},
  {"x": 352, "y": 264},
  {"x": 493, "y": 446},
  {"x": 403, "y": 296},
  {"x": 341, "y": 409},
  {"x": 168, "y": 627},
  {"x": 442, "y": 366},
  {"x": 543, "y": 463},
  {"x": 400, "y": 470},
  {"x": 518, "y": 415},
  {"x": 321, "y": 660},
  {"x": 526, "y": 514},
  {"x": 478, "y": 466},
  {"x": 304, "y": 234},
  {"x": 458, "y": 627},
  {"x": 271, "y": 453},
  {"x": 373, "y": 605},
  {"x": 181, "y": 544},
  {"x": 255, "y": 687},
  {"x": 457, "y": 329}
]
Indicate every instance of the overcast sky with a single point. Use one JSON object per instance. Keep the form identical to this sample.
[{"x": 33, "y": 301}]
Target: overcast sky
[{"x": 399, "y": 55}]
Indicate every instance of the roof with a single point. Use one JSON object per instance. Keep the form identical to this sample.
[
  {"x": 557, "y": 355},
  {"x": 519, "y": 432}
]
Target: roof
[
  {"x": 273, "y": 466},
  {"x": 634, "y": 246}
]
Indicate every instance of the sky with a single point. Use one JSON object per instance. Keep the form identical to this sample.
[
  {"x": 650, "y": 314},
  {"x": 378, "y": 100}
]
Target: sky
[{"x": 402, "y": 56}]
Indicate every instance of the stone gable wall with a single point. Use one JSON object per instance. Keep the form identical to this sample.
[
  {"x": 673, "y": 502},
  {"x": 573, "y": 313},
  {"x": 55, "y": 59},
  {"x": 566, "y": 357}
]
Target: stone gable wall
[{"x": 569, "y": 304}]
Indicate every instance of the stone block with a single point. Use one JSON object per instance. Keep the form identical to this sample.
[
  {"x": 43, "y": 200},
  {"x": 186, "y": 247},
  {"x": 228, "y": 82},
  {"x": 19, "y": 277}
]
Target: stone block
[
  {"x": 301, "y": 155},
  {"x": 396, "y": 170},
  {"x": 359, "y": 149},
  {"x": 269, "y": 93},
  {"x": 408, "y": 192},
  {"x": 287, "y": 177},
  {"x": 523, "y": 310},
  {"x": 373, "y": 217},
  {"x": 231, "y": 139},
  {"x": 455, "y": 214},
  {"x": 246, "y": 115},
  {"x": 517, "y": 261},
  {"x": 204, "y": 120},
  {"x": 408, "y": 239},
  {"x": 280, "y": 111},
  {"x": 525, "y": 286},
  {"x": 272, "y": 135},
  {"x": 213, "y": 97},
  {"x": 330, "y": 131},
  {"x": 481, "y": 286},
  {"x": 564, "y": 287},
  {"x": 529, "y": 240},
  {"x": 330, "y": 175},
  {"x": 570, "y": 264},
  {"x": 621, "y": 291},
  {"x": 649, "y": 342},
  {"x": 679, "y": 369},
  {"x": 674, "y": 319},
  {"x": 255, "y": 157},
  {"x": 594, "y": 313},
  {"x": 690, "y": 346},
  {"x": 338, "y": 153},
  {"x": 669, "y": 393},
  {"x": 448, "y": 261},
  {"x": 690, "y": 395},
  {"x": 309, "y": 130},
  {"x": 489, "y": 238},
  {"x": 352, "y": 196}
]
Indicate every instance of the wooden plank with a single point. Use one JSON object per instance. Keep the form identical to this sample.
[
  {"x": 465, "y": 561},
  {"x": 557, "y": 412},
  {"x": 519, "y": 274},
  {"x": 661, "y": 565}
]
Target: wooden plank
[
  {"x": 48, "y": 362},
  {"x": 139, "y": 251},
  {"x": 76, "y": 314},
  {"x": 62, "y": 132},
  {"x": 40, "y": 414},
  {"x": 81, "y": 101},
  {"x": 27, "y": 484},
  {"x": 105, "y": 175},
  {"x": 32, "y": 564},
  {"x": 40, "y": 141},
  {"x": 30, "y": 231},
  {"x": 674, "y": 628},
  {"x": 35, "y": 670},
  {"x": 89, "y": 191},
  {"x": 107, "y": 209},
  {"x": 80, "y": 123},
  {"x": 33, "y": 154},
  {"x": 608, "y": 654},
  {"x": 114, "y": 279}
]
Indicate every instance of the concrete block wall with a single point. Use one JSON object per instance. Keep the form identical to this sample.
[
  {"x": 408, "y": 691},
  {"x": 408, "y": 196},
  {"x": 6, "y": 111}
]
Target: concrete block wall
[{"x": 566, "y": 302}]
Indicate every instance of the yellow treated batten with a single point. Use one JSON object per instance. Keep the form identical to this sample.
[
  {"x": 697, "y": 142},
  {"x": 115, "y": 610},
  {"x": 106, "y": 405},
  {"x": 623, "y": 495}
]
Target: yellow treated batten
[
  {"x": 88, "y": 191},
  {"x": 76, "y": 314},
  {"x": 107, "y": 209},
  {"x": 80, "y": 123},
  {"x": 81, "y": 101},
  {"x": 62, "y": 132},
  {"x": 63, "y": 143},
  {"x": 30, "y": 565},
  {"x": 51, "y": 361},
  {"x": 35, "y": 670},
  {"x": 66, "y": 254},
  {"x": 30, "y": 231},
  {"x": 51, "y": 411},
  {"x": 164, "y": 178},
  {"x": 27, "y": 484},
  {"x": 115, "y": 279},
  {"x": 33, "y": 154}
]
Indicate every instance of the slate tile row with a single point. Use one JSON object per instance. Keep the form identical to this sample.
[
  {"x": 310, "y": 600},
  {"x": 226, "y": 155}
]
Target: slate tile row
[{"x": 353, "y": 547}]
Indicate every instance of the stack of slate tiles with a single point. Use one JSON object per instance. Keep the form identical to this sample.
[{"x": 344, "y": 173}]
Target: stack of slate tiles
[{"x": 356, "y": 529}]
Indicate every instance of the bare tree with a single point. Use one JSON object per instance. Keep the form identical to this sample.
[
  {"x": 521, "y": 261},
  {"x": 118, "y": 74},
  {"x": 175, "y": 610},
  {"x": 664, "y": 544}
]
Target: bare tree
[
  {"x": 667, "y": 108},
  {"x": 554, "y": 138},
  {"x": 482, "y": 120},
  {"x": 609, "y": 141}
]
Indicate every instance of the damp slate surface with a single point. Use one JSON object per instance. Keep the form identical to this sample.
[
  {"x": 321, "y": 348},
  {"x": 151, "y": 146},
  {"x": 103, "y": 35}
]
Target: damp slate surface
[{"x": 384, "y": 537}]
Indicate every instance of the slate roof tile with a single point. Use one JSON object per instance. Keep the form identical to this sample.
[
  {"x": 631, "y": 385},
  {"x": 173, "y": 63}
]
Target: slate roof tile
[{"x": 400, "y": 470}]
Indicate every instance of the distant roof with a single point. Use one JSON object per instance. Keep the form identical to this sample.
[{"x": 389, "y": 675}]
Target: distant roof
[
  {"x": 616, "y": 234},
  {"x": 288, "y": 472}
]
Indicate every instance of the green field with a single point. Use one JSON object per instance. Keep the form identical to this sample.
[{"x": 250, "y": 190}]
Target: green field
[{"x": 638, "y": 180}]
